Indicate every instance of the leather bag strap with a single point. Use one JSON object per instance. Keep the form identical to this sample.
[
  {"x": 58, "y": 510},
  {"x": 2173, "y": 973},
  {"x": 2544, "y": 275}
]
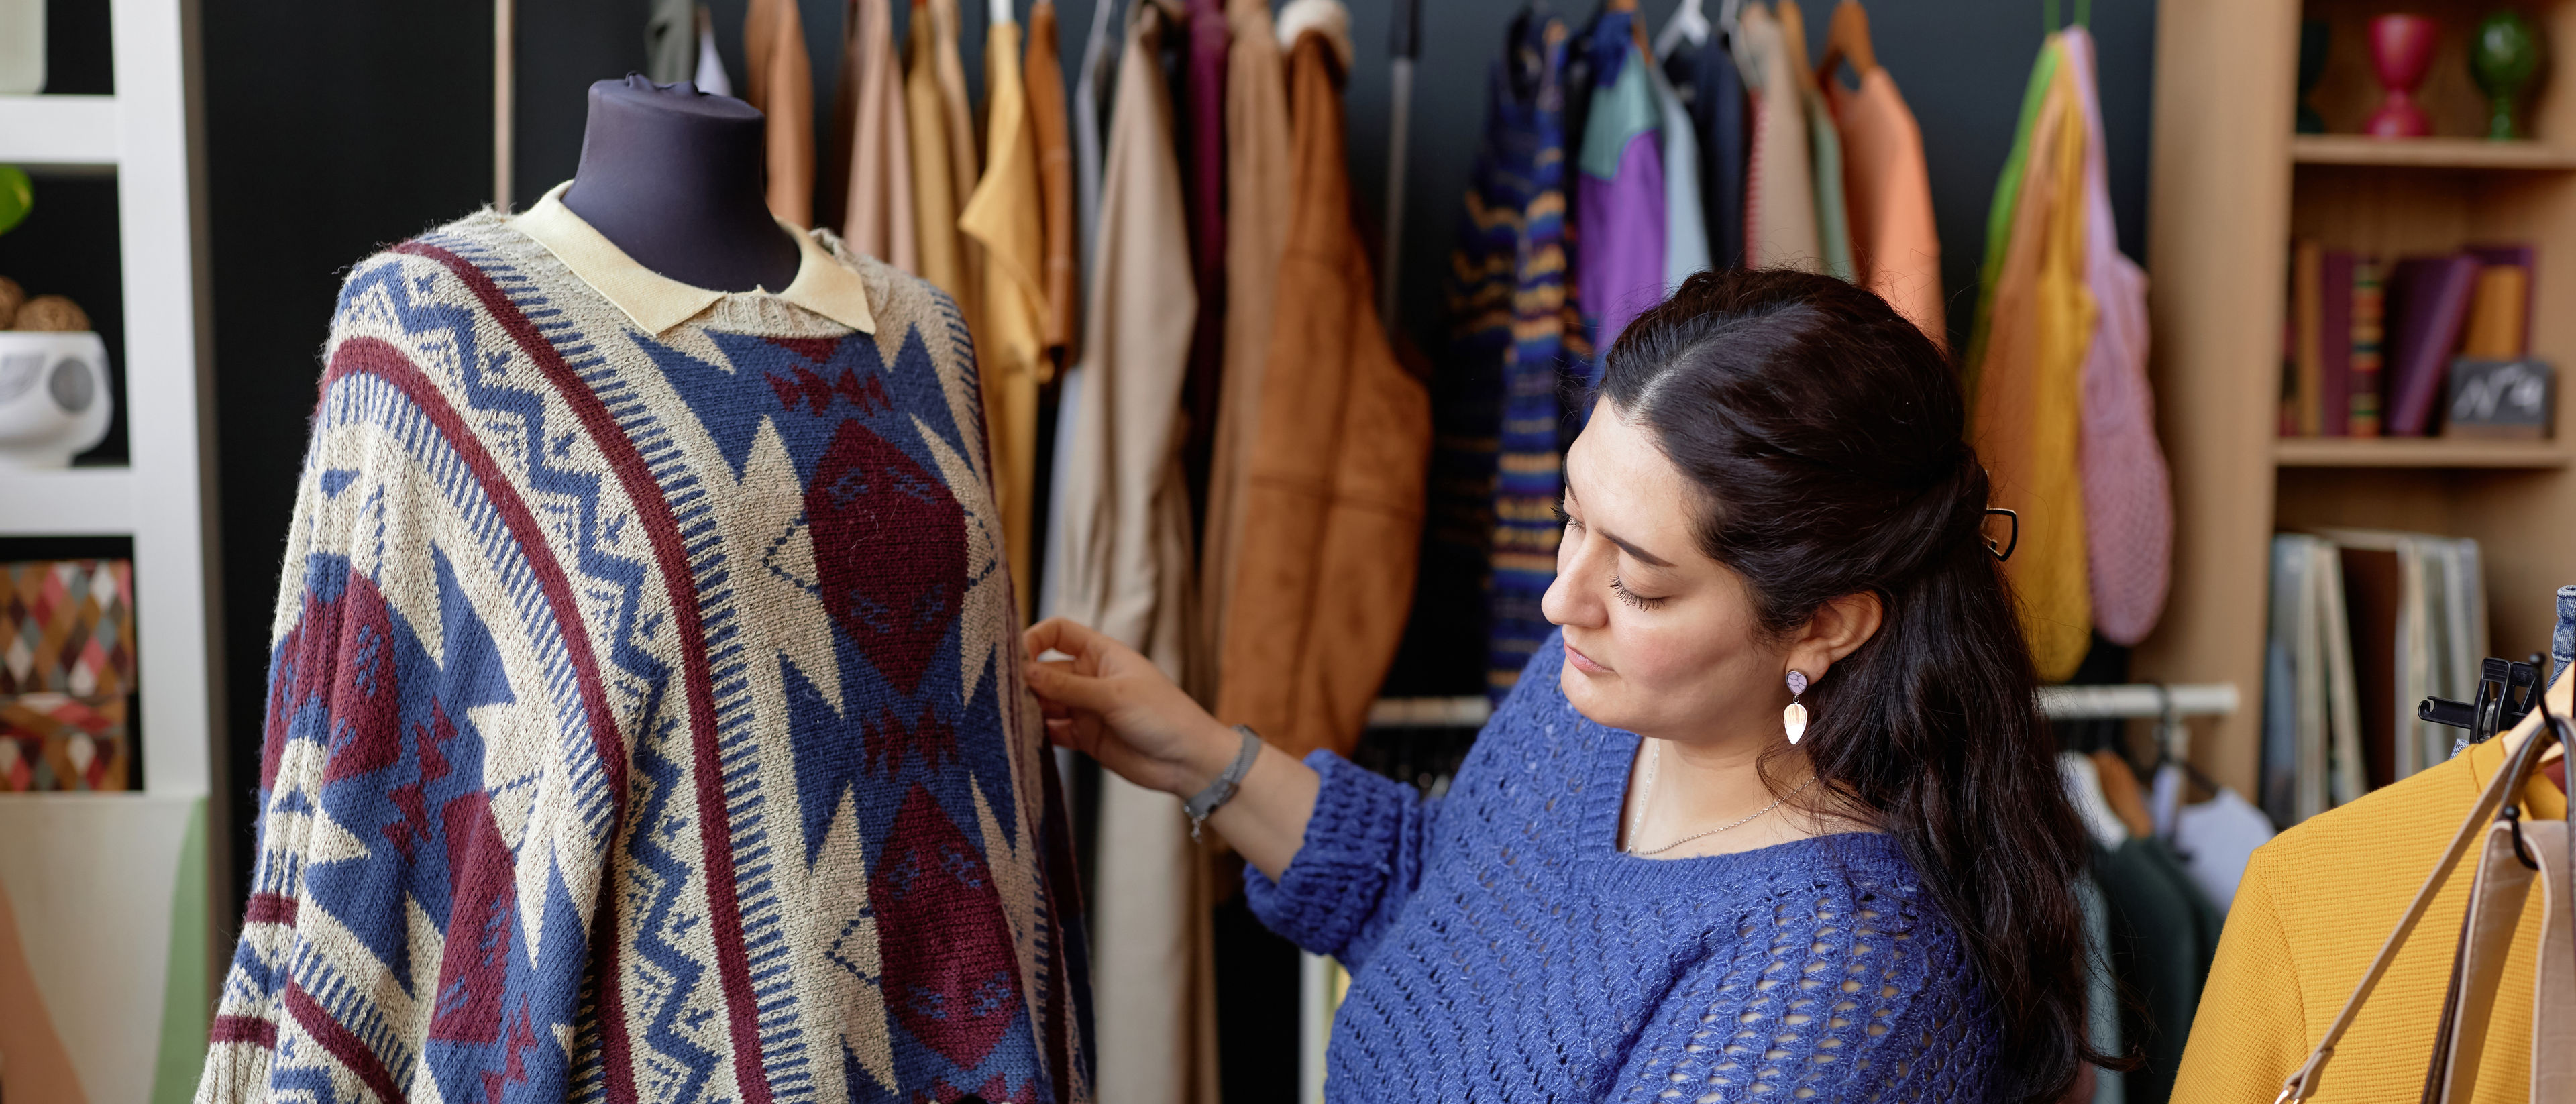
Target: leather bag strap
[
  {"x": 2302, "y": 1083},
  {"x": 2477, "y": 968},
  {"x": 2553, "y": 997}
]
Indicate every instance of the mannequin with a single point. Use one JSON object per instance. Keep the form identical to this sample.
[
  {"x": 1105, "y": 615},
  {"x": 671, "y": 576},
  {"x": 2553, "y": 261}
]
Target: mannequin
[
  {"x": 673, "y": 177},
  {"x": 718, "y": 543}
]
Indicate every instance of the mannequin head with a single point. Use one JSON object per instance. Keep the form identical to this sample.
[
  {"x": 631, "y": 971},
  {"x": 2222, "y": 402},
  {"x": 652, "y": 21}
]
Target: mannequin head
[{"x": 674, "y": 177}]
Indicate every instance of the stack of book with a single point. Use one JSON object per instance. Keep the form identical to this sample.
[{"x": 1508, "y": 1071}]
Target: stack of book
[
  {"x": 2365, "y": 624},
  {"x": 2368, "y": 343}
]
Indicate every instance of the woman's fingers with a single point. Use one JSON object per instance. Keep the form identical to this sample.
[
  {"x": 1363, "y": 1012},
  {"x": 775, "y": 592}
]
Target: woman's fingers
[
  {"x": 1058, "y": 634},
  {"x": 1055, "y": 680}
]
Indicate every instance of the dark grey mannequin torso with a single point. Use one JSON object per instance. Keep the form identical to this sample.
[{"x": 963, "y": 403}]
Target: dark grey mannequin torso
[{"x": 673, "y": 176}]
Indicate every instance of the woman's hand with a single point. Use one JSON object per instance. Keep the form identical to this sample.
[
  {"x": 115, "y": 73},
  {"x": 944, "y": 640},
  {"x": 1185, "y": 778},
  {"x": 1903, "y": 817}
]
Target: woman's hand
[{"x": 1116, "y": 706}]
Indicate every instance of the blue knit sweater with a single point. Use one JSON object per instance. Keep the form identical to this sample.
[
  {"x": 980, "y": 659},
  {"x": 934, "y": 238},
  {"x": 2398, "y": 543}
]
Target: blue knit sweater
[{"x": 1502, "y": 949}]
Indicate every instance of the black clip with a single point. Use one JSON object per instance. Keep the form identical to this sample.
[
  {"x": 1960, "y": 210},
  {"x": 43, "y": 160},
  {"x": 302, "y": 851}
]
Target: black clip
[
  {"x": 2504, "y": 696},
  {"x": 2005, "y": 552}
]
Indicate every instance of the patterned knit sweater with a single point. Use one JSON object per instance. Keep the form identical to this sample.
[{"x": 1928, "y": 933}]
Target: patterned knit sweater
[
  {"x": 1501, "y": 948},
  {"x": 645, "y": 715}
]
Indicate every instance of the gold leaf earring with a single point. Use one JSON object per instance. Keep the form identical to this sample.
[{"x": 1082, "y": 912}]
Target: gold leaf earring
[{"x": 1795, "y": 717}]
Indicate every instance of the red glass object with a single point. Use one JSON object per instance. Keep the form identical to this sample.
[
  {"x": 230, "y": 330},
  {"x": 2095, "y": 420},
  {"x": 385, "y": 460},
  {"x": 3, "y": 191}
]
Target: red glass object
[{"x": 2401, "y": 49}]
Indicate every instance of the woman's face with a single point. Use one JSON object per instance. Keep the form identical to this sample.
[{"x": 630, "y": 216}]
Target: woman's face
[{"x": 1660, "y": 639}]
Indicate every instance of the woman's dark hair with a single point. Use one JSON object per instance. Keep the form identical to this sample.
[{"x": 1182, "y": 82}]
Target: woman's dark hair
[{"x": 1827, "y": 434}]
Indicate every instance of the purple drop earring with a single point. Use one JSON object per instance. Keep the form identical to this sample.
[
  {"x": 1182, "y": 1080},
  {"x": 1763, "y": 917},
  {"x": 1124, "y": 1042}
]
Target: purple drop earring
[{"x": 1794, "y": 718}]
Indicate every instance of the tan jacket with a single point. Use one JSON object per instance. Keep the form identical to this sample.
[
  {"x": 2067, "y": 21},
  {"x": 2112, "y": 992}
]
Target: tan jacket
[
  {"x": 1256, "y": 236},
  {"x": 781, "y": 84},
  {"x": 1332, "y": 514},
  {"x": 867, "y": 188},
  {"x": 1125, "y": 571}
]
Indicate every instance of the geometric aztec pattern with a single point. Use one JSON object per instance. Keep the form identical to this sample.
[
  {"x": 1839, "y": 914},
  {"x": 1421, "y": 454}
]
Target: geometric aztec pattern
[
  {"x": 67, "y": 627},
  {"x": 61, "y": 742},
  {"x": 646, "y": 716}
]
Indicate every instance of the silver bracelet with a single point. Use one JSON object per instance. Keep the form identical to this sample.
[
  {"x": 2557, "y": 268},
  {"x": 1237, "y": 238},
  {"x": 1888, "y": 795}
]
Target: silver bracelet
[{"x": 1222, "y": 790}]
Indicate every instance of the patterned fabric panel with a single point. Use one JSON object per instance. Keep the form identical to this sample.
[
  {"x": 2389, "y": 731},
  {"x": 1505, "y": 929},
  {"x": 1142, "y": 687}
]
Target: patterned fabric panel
[
  {"x": 1517, "y": 358},
  {"x": 67, "y": 626},
  {"x": 645, "y": 715},
  {"x": 60, "y": 742}
]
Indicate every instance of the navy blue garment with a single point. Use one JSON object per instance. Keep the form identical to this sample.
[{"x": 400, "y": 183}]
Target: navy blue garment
[{"x": 1704, "y": 77}]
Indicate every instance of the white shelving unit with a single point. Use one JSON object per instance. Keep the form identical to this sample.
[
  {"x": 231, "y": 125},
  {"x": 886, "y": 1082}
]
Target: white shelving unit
[
  {"x": 147, "y": 136},
  {"x": 133, "y": 858}
]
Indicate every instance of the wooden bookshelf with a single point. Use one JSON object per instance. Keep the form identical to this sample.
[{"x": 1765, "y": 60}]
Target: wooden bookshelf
[
  {"x": 2416, "y": 452},
  {"x": 2430, "y": 153},
  {"x": 2230, "y": 186}
]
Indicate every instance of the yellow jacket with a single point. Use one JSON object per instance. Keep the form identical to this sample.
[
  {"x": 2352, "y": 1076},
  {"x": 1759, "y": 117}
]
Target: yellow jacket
[{"x": 2314, "y": 908}]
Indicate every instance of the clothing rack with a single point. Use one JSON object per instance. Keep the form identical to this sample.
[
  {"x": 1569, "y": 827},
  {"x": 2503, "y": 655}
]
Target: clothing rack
[{"x": 2061, "y": 703}]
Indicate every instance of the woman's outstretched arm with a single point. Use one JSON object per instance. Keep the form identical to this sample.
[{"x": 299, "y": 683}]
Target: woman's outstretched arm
[{"x": 1116, "y": 706}]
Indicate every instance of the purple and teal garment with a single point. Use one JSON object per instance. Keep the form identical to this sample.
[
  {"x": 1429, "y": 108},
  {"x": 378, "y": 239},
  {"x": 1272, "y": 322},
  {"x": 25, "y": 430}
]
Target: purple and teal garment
[{"x": 1619, "y": 195}]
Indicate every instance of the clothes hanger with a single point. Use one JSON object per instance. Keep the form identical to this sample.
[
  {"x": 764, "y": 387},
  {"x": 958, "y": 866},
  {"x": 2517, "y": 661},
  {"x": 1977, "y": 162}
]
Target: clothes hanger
[
  {"x": 1099, "y": 40},
  {"x": 1688, "y": 24},
  {"x": 2083, "y": 780},
  {"x": 1793, "y": 34},
  {"x": 2556, "y": 702},
  {"x": 1847, "y": 39}
]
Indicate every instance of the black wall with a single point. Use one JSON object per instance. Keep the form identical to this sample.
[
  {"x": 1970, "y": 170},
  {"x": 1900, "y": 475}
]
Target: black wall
[{"x": 334, "y": 128}]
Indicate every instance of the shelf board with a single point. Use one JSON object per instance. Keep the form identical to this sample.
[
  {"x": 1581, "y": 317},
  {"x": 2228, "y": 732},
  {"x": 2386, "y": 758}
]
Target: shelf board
[
  {"x": 2415, "y": 452},
  {"x": 67, "y": 502},
  {"x": 2429, "y": 153},
  {"x": 77, "y": 132}
]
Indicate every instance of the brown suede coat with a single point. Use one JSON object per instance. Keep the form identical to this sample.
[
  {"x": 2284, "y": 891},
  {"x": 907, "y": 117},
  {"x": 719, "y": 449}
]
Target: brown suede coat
[{"x": 1332, "y": 510}]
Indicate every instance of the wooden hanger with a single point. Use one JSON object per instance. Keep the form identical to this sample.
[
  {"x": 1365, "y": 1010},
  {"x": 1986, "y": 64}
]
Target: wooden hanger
[
  {"x": 1793, "y": 34},
  {"x": 1847, "y": 39}
]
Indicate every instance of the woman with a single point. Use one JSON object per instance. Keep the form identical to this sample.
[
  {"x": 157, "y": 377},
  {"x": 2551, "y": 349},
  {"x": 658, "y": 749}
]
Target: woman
[{"x": 1773, "y": 816}]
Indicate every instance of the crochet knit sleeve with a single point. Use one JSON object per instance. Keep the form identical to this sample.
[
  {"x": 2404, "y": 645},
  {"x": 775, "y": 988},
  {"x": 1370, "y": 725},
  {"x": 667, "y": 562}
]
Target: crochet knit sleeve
[
  {"x": 1827, "y": 993},
  {"x": 1362, "y": 858}
]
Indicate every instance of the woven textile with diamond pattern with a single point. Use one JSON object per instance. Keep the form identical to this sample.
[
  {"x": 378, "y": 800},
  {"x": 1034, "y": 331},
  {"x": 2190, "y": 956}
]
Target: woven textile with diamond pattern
[{"x": 645, "y": 714}]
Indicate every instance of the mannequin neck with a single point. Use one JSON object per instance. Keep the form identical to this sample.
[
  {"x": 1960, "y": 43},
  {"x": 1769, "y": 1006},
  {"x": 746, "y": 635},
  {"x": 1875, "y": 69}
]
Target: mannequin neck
[{"x": 672, "y": 176}]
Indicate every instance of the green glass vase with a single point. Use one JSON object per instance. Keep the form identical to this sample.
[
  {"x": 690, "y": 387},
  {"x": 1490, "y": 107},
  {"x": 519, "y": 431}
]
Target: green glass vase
[{"x": 2504, "y": 56}]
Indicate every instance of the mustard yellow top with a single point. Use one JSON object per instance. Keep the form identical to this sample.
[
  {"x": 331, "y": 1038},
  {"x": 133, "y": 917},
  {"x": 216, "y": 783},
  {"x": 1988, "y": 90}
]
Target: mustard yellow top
[{"x": 2314, "y": 908}]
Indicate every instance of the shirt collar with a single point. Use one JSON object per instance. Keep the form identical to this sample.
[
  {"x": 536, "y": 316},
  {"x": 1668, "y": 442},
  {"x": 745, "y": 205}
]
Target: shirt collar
[{"x": 657, "y": 302}]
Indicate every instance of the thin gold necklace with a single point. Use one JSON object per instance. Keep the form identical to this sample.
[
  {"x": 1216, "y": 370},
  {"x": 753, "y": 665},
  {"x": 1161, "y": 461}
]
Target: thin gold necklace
[{"x": 1646, "y": 792}]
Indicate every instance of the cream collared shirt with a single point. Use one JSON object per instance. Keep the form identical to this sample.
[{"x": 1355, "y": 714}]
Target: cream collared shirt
[{"x": 656, "y": 302}]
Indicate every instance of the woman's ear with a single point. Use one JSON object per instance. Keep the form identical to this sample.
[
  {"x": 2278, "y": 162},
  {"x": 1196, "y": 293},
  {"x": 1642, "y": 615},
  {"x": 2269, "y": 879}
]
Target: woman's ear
[{"x": 1838, "y": 628}]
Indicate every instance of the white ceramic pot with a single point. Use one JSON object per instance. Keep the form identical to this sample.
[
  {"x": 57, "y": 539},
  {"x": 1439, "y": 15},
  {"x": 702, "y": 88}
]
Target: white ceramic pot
[
  {"x": 22, "y": 47},
  {"x": 54, "y": 401}
]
